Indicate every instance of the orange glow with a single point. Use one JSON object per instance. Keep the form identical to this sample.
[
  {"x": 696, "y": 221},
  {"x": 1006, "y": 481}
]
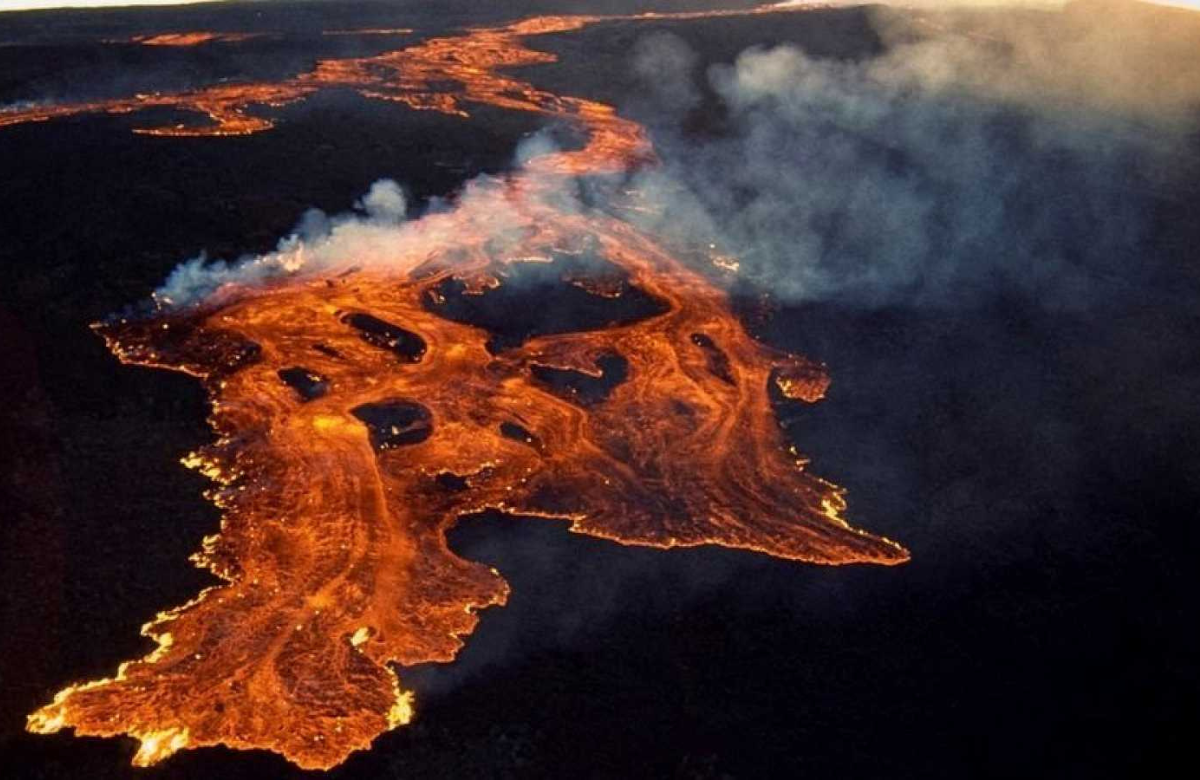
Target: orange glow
[
  {"x": 225, "y": 105},
  {"x": 332, "y": 549},
  {"x": 406, "y": 76},
  {"x": 192, "y": 38}
]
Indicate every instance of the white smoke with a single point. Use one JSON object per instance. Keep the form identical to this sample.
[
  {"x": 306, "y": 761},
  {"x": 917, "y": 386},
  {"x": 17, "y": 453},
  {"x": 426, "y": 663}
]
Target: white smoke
[
  {"x": 1016, "y": 152},
  {"x": 384, "y": 202},
  {"x": 379, "y": 233},
  {"x": 375, "y": 234},
  {"x": 1007, "y": 150}
]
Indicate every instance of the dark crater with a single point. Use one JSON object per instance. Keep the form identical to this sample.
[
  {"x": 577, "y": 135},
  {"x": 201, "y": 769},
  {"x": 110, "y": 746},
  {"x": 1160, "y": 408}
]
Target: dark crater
[
  {"x": 307, "y": 384},
  {"x": 515, "y": 432},
  {"x": 580, "y": 388},
  {"x": 718, "y": 361},
  {"x": 407, "y": 345},
  {"x": 327, "y": 350},
  {"x": 571, "y": 293},
  {"x": 451, "y": 482},
  {"x": 395, "y": 423}
]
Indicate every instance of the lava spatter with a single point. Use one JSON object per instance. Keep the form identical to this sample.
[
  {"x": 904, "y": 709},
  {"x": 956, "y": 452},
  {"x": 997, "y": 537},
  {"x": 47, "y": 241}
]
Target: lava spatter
[{"x": 356, "y": 423}]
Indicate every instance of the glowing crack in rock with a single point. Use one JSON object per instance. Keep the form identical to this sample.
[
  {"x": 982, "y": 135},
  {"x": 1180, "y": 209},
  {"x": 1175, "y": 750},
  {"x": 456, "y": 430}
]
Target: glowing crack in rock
[{"x": 359, "y": 416}]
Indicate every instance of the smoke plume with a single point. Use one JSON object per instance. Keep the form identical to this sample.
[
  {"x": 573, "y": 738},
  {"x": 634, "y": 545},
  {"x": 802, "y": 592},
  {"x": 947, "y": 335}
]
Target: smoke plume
[
  {"x": 1008, "y": 151},
  {"x": 376, "y": 233},
  {"x": 999, "y": 152}
]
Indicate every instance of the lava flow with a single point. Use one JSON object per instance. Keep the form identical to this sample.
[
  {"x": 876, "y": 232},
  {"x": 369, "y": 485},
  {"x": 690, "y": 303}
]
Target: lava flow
[
  {"x": 465, "y": 64},
  {"x": 191, "y": 38},
  {"x": 362, "y": 406}
]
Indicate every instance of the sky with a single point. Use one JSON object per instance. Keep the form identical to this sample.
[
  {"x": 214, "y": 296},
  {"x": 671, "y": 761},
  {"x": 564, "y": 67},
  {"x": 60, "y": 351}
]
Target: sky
[{"x": 27, "y": 5}]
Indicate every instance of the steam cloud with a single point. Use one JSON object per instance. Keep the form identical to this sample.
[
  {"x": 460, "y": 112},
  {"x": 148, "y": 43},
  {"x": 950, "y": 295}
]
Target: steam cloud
[
  {"x": 375, "y": 233},
  {"x": 984, "y": 152},
  {"x": 1011, "y": 151}
]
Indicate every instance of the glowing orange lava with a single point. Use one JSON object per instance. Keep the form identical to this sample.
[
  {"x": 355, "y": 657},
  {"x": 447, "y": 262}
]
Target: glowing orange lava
[
  {"x": 409, "y": 76},
  {"x": 358, "y": 421},
  {"x": 226, "y": 105},
  {"x": 192, "y": 38}
]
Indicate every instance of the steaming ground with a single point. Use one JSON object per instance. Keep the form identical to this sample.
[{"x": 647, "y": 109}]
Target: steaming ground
[{"x": 985, "y": 227}]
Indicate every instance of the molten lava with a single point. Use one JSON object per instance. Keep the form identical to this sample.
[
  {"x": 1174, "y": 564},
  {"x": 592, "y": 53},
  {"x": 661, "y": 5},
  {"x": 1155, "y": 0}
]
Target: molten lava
[
  {"x": 409, "y": 76},
  {"x": 360, "y": 414},
  {"x": 191, "y": 38}
]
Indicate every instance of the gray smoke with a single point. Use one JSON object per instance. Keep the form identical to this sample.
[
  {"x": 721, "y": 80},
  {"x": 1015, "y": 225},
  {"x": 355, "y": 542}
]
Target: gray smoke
[
  {"x": 1006, "y": 151},
  {"x": 377, "y": 232},
  {"x": 984, "y": 152}
]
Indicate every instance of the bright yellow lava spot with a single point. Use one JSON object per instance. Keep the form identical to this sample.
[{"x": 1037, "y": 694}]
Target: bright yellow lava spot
[
  {"x": 360, "y": 636},
  {"x": 327, "y": 422},
  {"x": 164, "y": 644},
  {"x": 833, "y": 508},
  {"x": 195, "y": 460},
  {"x": 41, "y": 723},
  {"x": 402, "y": 711},
  {"x": 726, "y": 263},
  {"x": 157, "y": 745}
]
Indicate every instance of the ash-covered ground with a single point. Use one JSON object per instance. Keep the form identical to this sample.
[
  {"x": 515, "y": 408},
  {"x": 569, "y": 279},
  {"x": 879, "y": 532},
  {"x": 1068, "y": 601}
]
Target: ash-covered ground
[{"x": 1013, "y": 398}]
